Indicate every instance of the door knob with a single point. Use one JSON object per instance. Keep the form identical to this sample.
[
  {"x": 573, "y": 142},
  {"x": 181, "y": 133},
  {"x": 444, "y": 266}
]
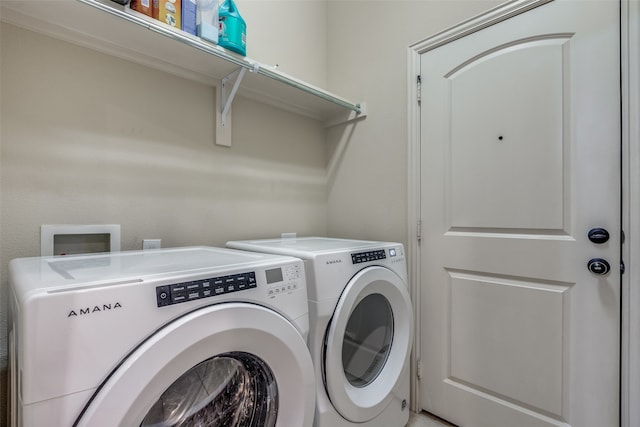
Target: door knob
[
  {"x": 598, "y": 235},
  {"x": 598, "y": 266}
]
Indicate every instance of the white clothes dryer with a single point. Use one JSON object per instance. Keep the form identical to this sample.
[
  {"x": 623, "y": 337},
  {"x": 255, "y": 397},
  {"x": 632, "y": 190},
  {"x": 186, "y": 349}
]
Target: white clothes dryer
[
  {"x": 170, "y": 337},
  {"x": 361, "y": 327}
]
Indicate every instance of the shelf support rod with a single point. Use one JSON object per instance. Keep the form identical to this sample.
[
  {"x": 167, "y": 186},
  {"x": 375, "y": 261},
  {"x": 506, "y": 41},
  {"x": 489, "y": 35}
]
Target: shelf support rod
[
  {"x": 223, "y": 110},
  {"x": 228, "y": 100}
]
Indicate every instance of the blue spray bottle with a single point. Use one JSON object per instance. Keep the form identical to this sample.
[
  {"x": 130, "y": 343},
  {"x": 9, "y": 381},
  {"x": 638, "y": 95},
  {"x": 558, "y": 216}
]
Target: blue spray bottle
[{"x": 232, "y": 30}]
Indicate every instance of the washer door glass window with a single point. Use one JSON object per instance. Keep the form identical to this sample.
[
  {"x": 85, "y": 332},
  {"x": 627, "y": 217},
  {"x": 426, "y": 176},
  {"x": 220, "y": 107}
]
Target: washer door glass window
[
  {"x": 367, "y": 340},
  {"x": 232, "y": 389},
  {"x": 242, "y": 373}
]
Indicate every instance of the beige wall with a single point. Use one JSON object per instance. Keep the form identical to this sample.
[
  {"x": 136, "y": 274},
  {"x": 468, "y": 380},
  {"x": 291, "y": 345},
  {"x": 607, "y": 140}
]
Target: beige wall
[
  {"x": 87, "y": 138},
  {"x": 368, "y": 43},
  {"x": 290, "y": 34},
  {"x": 90, "y": 139}
]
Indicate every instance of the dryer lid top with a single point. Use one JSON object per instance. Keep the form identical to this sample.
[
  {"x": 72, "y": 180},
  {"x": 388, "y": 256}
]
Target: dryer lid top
[{"x": 299, "y": 246}]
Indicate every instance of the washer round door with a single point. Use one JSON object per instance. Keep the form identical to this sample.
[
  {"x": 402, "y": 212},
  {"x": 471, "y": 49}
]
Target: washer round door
[
  {"x": 231, "y": 364},
  {"x": 368, "y": 343}
]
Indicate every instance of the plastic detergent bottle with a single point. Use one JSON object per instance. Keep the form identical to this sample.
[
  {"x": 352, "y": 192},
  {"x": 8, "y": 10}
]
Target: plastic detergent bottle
[{"x": 232, "y": 30}]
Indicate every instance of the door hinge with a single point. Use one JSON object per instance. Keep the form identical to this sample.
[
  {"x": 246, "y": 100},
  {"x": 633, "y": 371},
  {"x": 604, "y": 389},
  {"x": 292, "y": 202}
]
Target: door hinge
[
  {"x": 622, "y": 267},
  {"x": 419, "y": 84},
  {"x": 419, "y": 369},
  {"x": 419, "y": 231}
]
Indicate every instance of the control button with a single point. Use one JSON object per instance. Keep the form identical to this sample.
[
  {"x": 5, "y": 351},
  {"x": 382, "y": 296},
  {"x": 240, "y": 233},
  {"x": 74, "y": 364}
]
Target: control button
[
  {"x": 193, "y": 290},
  {"x": 162, "y": 296},
  {"x": 178, "y": 298},
  {"x": 368, "y": 256}
]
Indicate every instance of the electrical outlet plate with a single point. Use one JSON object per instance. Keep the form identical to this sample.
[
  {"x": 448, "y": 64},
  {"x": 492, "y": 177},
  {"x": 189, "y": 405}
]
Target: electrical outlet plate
[{"x": 151, "y": 243}]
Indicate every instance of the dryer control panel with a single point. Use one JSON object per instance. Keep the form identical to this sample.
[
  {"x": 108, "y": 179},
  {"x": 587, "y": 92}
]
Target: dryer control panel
[
  {"x": 368, "y": 256},
  {"x": 204, "y": 288}
]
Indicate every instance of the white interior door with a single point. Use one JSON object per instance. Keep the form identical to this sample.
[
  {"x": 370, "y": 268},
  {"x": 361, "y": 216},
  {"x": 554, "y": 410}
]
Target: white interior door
[{"x": 520, "y": 158}]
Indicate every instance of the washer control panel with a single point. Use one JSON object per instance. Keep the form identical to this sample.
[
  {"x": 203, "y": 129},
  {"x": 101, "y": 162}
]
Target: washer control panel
[
  {"x": 204, "y": 288},
  {"x": 367, "y": 256},
  {"x": 283, "y": 280}
]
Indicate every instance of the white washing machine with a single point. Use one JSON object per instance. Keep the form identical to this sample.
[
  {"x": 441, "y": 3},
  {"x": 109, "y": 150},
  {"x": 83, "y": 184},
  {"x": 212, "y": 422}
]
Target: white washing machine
[
  {"x": 361, "y": 327},
  {"x": 171, "y": 337}
]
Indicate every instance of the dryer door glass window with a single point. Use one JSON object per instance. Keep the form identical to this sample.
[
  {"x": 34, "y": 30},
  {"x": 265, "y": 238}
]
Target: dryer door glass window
[
  {"x": 367, "y": 340},
  {"x": 233, "y": 389}
]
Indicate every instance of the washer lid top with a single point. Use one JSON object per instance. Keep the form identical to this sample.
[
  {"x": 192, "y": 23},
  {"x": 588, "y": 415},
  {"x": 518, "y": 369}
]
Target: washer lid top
[
  {"x": 305, "y": 247},
  {"x": 29, "y": 274}
]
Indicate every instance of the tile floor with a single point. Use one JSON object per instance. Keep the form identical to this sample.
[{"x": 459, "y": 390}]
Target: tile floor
[{"x": 422, "y": 420}]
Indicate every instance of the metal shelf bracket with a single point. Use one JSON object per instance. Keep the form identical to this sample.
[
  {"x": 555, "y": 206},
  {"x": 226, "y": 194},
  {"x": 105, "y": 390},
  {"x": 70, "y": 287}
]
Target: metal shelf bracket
[{"x": 225, "y": 99}]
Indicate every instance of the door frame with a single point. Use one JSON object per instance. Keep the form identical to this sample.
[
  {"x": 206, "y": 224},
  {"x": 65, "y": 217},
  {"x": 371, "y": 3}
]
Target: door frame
[
  {"x": 630, "y": 352},
  {"x": 630, "y": 57}
]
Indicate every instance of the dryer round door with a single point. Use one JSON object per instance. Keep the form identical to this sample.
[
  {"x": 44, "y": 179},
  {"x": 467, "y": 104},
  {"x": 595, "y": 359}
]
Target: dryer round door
[
  {"x": 232, "y": 364},
  {"x": 368, "y": 343}
]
